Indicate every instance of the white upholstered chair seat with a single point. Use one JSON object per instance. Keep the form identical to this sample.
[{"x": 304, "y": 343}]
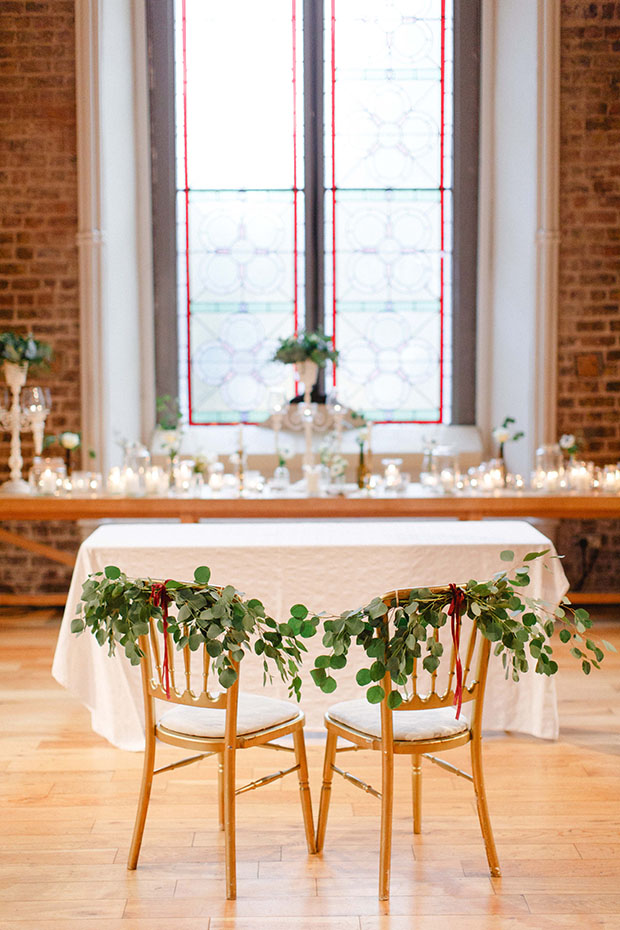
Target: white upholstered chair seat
[
  {"x": 409, "y": 725},
  {"x": 254, "y": 713}
]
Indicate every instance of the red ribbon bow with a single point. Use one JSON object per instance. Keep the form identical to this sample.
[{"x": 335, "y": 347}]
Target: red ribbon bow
[
  {"x": 454, "y": 612},
  {"x": 159, "y": 598}
]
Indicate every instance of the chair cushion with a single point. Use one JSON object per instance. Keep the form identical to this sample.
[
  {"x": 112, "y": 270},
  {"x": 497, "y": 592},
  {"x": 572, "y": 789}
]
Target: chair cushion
[
  {"x": 408, "y": 725},
  {"x": 254, "y": 712}
]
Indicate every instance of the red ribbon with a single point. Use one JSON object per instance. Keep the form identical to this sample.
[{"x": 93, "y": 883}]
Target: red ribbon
[
  {"x": 454, "y": 612},
  {"x": 159, "y": 597}
]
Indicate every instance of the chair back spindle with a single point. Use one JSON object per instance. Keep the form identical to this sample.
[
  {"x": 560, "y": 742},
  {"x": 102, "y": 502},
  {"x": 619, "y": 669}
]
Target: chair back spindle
[{"x": 432, "y": 690}]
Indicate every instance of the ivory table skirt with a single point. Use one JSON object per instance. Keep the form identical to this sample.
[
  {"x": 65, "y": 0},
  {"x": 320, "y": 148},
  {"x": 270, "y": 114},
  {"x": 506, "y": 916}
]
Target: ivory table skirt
[{"x": 329, "y": 565}]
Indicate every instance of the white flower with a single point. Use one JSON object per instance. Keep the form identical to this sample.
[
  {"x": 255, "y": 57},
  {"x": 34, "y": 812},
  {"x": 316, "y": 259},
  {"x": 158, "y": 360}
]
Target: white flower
[
  {"x": 501, "y": 434},
  {"x": 337, "y": 466},
  {"x": 285, "y": 452},
  {"x": 69, "y": 440},
  {"x": 170, "y": 439},
  {"x": 567, "y": 441}
]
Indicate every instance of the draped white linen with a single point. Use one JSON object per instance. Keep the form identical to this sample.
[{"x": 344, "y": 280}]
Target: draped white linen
[{"x": 329, "y": 565}]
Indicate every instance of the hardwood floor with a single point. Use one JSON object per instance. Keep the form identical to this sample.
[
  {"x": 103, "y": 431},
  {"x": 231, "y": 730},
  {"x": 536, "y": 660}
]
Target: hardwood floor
[{"x": 67, "y": 803}]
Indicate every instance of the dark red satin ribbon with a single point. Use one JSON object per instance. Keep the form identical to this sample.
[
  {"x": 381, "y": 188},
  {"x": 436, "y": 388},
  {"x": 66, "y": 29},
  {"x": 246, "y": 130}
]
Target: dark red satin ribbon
[
  {"x": 454, "y": 612},
  {"x": 159, "y": 597}
]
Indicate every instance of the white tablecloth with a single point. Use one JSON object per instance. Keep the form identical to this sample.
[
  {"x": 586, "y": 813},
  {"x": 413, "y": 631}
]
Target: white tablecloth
[{"x": 329, "y": 565}]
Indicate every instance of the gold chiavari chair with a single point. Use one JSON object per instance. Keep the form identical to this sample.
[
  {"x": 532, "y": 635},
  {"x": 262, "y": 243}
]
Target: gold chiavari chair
[
  {"x": 212, "y": 724},
  {"x": 423, "y": 724}
]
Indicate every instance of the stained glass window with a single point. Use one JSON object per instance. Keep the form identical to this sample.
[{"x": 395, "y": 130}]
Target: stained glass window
[
  {"x": 386, "y": 72},
  {"x": 240, "y": 212}
]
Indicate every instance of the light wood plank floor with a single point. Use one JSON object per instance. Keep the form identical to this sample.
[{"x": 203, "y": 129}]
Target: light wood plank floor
[{"x": 67, "y": 802}]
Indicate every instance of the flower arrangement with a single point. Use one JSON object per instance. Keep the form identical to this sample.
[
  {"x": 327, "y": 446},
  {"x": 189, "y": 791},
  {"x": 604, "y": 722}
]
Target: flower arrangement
[
  {"x": 316, "y": 347},
  {"x": 117, "y": 609},
  {"x": 569, "y": 444},
  {"x": 20, "y": 350},
  {"x": 331, "y": 458},
  {"x": 520, "y": 627},
  {"x": 168, "y": 423},
  {"x": 502, "y": 434},
  {"x": 69, "y": 442}
]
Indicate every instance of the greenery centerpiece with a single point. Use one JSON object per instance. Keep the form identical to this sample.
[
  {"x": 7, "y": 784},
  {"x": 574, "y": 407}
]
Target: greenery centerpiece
[
  {"x": 315, "y": 347},
  {"x": 117, "y": 609},
  {"x": 308, "y": 352},
  {"x": 520, "y": 627},
  {"x": 24, "y": 350}
]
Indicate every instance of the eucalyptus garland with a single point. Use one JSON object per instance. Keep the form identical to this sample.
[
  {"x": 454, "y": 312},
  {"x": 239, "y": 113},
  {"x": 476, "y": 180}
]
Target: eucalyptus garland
[
  {"x": 117, "y": 609},
  {"x": 520, "y": 627}
]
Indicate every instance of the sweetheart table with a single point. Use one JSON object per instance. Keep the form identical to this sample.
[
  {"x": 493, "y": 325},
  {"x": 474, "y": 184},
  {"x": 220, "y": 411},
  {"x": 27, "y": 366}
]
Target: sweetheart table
[{"x": 329, "y": 565}]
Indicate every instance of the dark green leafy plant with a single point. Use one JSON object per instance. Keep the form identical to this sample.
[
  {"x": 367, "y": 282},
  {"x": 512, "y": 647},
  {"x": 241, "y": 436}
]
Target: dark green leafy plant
[
  {"x": 24, "y": 349},
  {"x": 117, "y": 609},
  {"x": 314, "y": 346},
  {"x": 520, "y": 627}
]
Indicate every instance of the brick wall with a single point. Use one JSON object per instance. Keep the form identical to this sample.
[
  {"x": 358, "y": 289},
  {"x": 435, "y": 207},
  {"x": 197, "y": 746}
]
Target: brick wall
[
  {"x": 38, "y": 224},
  {"x": 589, "y": 322},
  {"x": 589, "y": 304}
]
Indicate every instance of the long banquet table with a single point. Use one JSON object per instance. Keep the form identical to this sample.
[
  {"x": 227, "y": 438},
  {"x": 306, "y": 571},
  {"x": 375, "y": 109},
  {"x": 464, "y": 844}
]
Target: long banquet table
[
  {"x": 502, "y": 505},
  {"x": 329, "y": 565}
]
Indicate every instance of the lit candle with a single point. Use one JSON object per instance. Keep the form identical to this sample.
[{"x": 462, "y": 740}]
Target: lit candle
[
  {"x": 47, "y": 481},
  {"x": 115, "y": 483}
]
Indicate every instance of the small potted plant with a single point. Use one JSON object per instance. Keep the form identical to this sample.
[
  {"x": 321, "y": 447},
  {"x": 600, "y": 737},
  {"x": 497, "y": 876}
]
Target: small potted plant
[{"x": 309, "y": 352}]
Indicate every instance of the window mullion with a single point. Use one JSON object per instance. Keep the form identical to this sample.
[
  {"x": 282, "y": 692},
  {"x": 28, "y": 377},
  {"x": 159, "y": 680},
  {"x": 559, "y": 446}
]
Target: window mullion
[{"x": 314, "y": 164}]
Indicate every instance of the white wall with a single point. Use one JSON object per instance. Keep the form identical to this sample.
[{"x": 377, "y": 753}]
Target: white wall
[{"x": 514, "y": 376}]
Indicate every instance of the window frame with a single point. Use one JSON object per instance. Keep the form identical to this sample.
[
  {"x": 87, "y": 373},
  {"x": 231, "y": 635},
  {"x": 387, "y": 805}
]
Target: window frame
[{"x": 465, "y": 184}]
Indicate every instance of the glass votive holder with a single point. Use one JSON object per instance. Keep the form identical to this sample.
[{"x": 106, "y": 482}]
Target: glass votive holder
[
  {"x": 580, "y": 476},
  {"x": 391, "y": 474},
  {"x": 312, "y": 475},
  {"x": 46, "y": 477},
  {"x": 85, "y": 483},
  {"x": 133, "y": 482},
  {"x": 549, "y": 459},
  {"x": 609, "y": 479},
  {"x": 216, "y": 476},
  {"x": 115, "y": 481},
  {"x": 281, "y": 479},
  {"x": 183, "y": 476},
  {"x": 156, "y": 481}
]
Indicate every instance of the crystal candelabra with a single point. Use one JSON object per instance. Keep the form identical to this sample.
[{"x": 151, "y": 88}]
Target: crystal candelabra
[
  {"x": 17, "y": 417},
  {"x": 308, "y": 371}
]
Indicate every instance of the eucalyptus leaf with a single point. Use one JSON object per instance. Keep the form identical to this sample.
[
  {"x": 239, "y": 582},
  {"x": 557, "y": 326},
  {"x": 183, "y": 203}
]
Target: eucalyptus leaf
[{"x": 202, "y": 574}]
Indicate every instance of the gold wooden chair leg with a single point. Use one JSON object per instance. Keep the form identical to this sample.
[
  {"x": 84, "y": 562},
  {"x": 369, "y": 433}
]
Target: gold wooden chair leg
[
  {"x": 326, "y": 789},
  {"x": 229, "y": 823},
  {"x": 387, "y": 804},
  {"x": 220, "y": 789},
  {"x": 304, "y": 788},
  {"x": 481, "y": 803},
  {"x": 143, "y": 800},
  {"x": 416, "y": 784}
]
